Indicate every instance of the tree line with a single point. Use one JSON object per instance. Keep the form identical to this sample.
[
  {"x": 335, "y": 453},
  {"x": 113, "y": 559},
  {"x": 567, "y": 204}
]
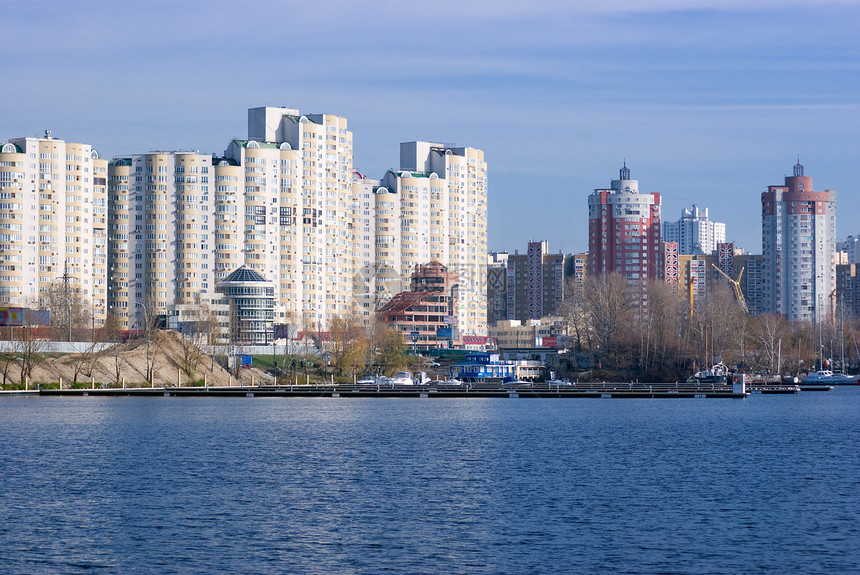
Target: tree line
[{"x": 652, "y": 332}]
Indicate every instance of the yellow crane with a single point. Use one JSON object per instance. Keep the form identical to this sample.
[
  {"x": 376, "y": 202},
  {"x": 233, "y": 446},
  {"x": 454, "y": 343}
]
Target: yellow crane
[{"x": 736, "y": 284}]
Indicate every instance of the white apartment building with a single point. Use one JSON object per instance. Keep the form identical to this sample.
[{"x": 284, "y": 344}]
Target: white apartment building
[
  {"x": 161, "y": 212},
  {"x": 798, "y": 245},
  {"x": 53, "y": 224},
  {"x": 165, "y": 227},
  {"x": 694, "y": 232},
  {"x": 435, "y": 208},
  {"x": 279, "y": 203}
]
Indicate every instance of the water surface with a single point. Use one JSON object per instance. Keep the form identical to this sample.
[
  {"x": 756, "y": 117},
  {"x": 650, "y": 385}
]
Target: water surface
[{"x": 325, "y": 485}]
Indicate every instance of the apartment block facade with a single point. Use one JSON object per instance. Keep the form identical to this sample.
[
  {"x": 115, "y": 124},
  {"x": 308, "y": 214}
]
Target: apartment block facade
[
  {"x": 53, "y": 226},
  {"x": 624, "y": 233},
  {"x": 527, "y": 286},
  {"x": 798, "y": 248},
  {"x": 696, "y": 274},
  {"x": 694, "y": 232},
  {"x": 287, "y": 204}
]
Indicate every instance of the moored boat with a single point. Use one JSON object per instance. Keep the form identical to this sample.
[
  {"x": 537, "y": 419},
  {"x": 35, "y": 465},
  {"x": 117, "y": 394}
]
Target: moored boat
[
  {"x": 825, "y": 376},
  {"x": 402, "y": 378},
  {"x": 718, "y": 373}
]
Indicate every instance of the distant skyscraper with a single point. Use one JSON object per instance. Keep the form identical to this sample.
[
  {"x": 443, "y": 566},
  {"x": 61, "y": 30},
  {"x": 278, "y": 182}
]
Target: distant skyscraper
[
  {"x": 851, "y": 247},
  {"x": 694, "y": 232},
  {"x": 798, "y": 240},
  {"x": 624, "y": 230},
  {"x": 527, "y": 286}
]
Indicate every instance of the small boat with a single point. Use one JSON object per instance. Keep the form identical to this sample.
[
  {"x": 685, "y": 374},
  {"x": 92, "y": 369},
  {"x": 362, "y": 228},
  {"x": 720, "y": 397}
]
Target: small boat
[
  {"x": 559, "y": 382},
  {"x": 516, "y": 381},
  {"x": 825, "y": 376},
  {"x": 718, "y": 373},
  {"x": 401, "y": 378},
  {"x": 452, "y": 381}
]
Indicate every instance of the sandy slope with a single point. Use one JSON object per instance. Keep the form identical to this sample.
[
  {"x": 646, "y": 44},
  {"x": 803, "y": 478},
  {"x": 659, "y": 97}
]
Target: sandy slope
[{"x": 167, "y": 350}]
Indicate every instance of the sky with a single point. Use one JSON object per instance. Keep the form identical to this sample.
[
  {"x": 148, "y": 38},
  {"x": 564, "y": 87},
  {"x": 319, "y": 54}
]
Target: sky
[{"x": 708, "y": 101}]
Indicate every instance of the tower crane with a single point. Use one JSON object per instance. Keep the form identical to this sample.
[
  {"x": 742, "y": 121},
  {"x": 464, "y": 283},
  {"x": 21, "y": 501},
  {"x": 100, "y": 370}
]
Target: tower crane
[{"x": 736, "y": 284}]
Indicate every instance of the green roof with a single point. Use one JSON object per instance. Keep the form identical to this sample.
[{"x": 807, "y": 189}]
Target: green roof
[
  {"x": 244, "y": 144},
  {"x": 400, "y": 173},
  {"x": 18, "y": 149}
]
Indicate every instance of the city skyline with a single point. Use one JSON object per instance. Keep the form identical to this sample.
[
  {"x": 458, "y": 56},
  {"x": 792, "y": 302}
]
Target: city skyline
[{"x": 707, "y": 105}]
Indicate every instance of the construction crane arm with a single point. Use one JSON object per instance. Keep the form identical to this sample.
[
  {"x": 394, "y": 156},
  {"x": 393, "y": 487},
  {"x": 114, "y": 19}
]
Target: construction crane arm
[{"x": 736, "y": 284}]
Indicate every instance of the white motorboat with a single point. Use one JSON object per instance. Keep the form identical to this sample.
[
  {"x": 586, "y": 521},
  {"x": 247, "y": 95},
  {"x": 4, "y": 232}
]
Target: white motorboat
[
  {"x": 401, "y": 378},
  {"x": 825, "y": 376}
]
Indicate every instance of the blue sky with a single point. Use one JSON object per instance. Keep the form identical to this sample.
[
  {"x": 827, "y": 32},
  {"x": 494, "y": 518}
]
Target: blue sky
[{"x": 709, "y": 102}]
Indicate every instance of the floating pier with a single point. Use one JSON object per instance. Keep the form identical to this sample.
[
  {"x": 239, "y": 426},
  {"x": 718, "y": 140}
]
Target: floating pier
[{"x": 433, "y": 390}]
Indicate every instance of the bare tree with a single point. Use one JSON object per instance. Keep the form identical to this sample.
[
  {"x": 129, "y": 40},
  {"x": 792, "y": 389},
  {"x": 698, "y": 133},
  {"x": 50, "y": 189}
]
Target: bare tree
[
  {"x": 610, "y": 311},
  {"x": 8, "y": 358},
  {"x": 32, "y": 348},
  {"x": 661, "y": 325},
  {"x": 68, "y": 310},
  {"x": 766, "y": 334},
  {"x": 112, "y": 333},
  {"x": 196, "y": 332},
  {"x": 720, "y": 326},
  {"x": 573, "y": 310}
]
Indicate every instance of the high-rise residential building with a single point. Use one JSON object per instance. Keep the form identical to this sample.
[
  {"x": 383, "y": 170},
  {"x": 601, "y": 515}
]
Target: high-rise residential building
[
  {"x": 161, "y": 215},
  {"x": 526, "y": 286},
  {"x": 798, "y": 241},
  {"x": 280, "y": 203},
  {"x": 435, "y": 208},
  {"x": 53, "y": 226},
  {"x": 624, "y": 230},
  {"x": 497, "y": 287},
  {"x": 694, "y": 232},
  {"x": 851, "y": 248},
  {"x": 287, "y": 204},
  {"x": 848, "y": 290}
]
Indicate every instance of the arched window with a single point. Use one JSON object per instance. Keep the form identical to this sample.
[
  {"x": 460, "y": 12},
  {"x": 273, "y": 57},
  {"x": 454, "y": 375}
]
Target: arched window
[
  {"x": 252, "y": 144},
  {"x": 9, "y": 149}
]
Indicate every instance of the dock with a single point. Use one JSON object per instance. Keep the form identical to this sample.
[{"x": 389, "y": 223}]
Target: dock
[{"x": 432, "y": 390}]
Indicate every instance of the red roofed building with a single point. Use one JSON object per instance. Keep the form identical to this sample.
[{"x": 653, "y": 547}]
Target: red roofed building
[{"x": 426, "y": 315}]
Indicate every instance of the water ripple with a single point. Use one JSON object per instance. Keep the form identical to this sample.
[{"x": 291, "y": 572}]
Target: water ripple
[{"x": 188, "y": 485}]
